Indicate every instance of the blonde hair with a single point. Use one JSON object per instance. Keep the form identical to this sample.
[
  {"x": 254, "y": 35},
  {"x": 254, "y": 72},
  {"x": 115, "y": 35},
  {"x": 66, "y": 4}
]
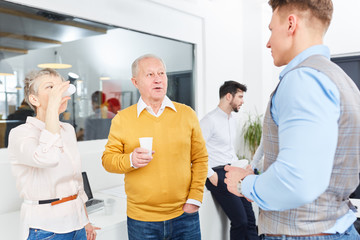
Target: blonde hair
[{"x": 30, "y": 86}]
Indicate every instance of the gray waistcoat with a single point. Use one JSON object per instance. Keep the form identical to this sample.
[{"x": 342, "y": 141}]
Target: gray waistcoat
[{"x": 321, "y": 214}]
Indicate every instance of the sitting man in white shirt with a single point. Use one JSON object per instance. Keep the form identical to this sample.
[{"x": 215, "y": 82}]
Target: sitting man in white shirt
[{"x": 218, "y": 128}]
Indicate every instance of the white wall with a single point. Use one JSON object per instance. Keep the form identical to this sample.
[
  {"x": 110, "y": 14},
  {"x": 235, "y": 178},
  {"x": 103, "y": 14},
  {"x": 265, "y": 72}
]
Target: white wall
[{"x": 343, "y": 36}]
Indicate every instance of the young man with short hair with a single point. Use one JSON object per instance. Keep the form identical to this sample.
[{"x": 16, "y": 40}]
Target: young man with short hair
[{"x": 311, "y": 133}]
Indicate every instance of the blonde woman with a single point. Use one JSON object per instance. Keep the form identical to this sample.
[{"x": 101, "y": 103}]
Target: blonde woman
[{"x": 47, "y": 165}]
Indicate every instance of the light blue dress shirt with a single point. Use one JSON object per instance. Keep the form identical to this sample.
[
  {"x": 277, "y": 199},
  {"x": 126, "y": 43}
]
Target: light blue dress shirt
[{"x": 306, "y": 108}]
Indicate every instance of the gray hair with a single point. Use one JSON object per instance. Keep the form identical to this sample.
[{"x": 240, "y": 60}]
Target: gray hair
[
  {"x": 30, "y": 84},
  {"x": 135, "y": 64}
]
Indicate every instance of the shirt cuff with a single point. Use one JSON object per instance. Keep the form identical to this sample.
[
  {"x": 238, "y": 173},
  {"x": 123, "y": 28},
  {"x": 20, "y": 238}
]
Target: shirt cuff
[
  {"x": 194, "y": 202},
  {"x": 210, "y": 172},
  {"x": 247, "y": 185},
  {"x": 131, "y": 164}
]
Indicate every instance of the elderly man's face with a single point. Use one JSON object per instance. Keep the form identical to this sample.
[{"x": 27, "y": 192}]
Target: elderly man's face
[{"x": 151, "y": 80}]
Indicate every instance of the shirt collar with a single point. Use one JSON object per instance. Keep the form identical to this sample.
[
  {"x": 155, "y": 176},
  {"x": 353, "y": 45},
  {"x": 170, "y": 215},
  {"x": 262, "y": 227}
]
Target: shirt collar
[
  {"x": 222, "y": 113},
  {"x": 141, "y": 105},
  {"x": 314, "y": 50},
  {"x": 38, "y": 123}
]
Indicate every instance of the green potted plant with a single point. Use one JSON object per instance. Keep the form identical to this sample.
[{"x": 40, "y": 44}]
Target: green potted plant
[{"x": 252, "y": 131}]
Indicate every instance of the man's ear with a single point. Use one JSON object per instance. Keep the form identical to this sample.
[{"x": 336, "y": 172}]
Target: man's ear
[
  {"x": 133, "y": 80},
  {"x": 229, "y": 97},
  {"x": 292, "y": 23},
  {"x": 34, "y": 100}
]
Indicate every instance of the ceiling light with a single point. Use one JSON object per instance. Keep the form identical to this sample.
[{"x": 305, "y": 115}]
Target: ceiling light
[
  {"x": 18, "y": 87},
  {"x": 73, "y": 75},
  {"x": 104, "y": 78},
  {"x": 57, "y": 64}
]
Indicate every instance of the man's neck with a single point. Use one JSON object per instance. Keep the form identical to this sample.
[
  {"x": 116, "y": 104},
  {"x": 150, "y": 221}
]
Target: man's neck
[
  {"x": 305, "y": 41},
  {"x": 225, "y": 107},
  {"x": 155, "y": 105}
]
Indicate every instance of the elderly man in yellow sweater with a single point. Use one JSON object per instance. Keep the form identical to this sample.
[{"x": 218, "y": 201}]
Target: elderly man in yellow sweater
[{"x": 164, "y": 188}]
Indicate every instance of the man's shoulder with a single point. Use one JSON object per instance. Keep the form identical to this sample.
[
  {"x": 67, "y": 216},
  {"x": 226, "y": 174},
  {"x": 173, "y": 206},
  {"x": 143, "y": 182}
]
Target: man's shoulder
[
  {"x": 128, "y": 111},
  {"x": 210, "y": 115},
  {"x": 126, "y": 114},
  {"x": 180, "y": 107}
]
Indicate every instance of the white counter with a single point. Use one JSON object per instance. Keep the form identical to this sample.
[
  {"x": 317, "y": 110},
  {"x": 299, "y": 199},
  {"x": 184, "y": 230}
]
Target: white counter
[{"x": 213, "y": 222}]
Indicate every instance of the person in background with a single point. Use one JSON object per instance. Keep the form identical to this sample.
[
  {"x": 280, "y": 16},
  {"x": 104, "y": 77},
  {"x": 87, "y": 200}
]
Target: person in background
[
  {"x": 164, "y": 187},
  {"x": 99, "y": 106},
  {"x": 47, "y": 165},
  {"x": 22, "y": 112},
  {"x": 97, "y": 125},
  {"x": 113, "y": 105},
  {"x": 17, "y": 118},
  {"x": 219, "y": 130},
  {"x": 311, "y": 134}
]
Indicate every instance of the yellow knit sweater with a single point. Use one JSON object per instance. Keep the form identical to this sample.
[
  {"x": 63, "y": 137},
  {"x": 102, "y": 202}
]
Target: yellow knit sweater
[{"x": 177, "y": 171}]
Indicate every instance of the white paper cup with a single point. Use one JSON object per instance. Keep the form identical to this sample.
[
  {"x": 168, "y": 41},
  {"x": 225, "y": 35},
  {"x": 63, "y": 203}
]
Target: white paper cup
[
  {"x": 240, "y": 163},
  {"x": 109, "y": 206},
  {"x": 146, "y": 142},
  {"x": 70, "y": 91}
]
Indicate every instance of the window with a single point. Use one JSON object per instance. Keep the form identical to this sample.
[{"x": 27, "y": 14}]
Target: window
[
  {"x": 9, "y": 95},
  {"x": 101, "y": 55}
]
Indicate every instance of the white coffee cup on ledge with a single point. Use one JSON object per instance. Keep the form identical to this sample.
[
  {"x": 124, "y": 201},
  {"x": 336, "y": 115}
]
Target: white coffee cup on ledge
[
  {"x": 240, "y": 163},
  {"x": 109, "y": 205},
  {"x": 146, "y": 142}
]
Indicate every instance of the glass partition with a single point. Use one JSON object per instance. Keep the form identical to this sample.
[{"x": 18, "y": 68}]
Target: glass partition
[{"x": 100, "y": 56}]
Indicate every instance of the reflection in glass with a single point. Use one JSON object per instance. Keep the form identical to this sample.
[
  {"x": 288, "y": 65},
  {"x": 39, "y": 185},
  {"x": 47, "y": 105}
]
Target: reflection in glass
[{"x": 101, "y": 55}]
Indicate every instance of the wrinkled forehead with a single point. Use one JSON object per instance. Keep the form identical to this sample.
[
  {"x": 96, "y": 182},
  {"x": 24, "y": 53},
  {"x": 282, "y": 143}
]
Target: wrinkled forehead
[
  {"x": 151, "y": 63},
  {"x": 43, "y": 79}
]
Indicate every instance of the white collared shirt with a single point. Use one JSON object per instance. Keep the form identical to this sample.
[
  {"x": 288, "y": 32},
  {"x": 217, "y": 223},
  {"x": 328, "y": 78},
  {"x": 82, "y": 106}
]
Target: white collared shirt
[
  {"x": 166, "y": 103},
  {"x": 141, "y": 105},
  {"x": 219, "y": 131},
  {"x": 47, "y": 166}
]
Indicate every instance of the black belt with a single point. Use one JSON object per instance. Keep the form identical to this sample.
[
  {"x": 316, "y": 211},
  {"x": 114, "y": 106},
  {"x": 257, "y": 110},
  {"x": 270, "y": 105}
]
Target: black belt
[{"x": 48, "y": 201}]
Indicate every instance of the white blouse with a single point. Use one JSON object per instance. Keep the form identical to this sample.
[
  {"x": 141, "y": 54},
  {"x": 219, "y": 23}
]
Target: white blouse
[{"x": 47, "y": 166}]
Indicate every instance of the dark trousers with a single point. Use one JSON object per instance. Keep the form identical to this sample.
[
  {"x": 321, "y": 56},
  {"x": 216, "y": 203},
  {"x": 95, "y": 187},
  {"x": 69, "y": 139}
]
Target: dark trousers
[{"x": 238, "y": 209}]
